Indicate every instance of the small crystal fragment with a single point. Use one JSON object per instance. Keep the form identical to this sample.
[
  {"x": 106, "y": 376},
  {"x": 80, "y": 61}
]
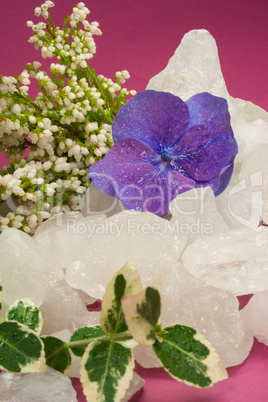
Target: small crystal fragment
[
  {"x": 135, "y": 385},
  {"x": 26, "y": 270},
  {"x": 65, "y": 235},
  {"x": 195, "y": 214},
  {"x": 236, "y": 260},
  {"x": 41, "y": 387},
  {"x": 63, "y": 308},
  {"x": 255, "y": 314}
]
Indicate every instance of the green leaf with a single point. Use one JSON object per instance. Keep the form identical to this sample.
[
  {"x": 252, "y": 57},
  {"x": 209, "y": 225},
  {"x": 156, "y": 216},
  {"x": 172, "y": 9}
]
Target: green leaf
[
  {"x": 125, "y": 282},
  {"x": 106, "y": 371},
  {"x": 83, "y": 334},
  {"x": 150, "y": 308},
  {"x": 189, "y": 357},
  {"x": 57, "y": 354},
  {"x": 25, "y": 312},
  {"x": 142, "y": 313},
  {"x": 21, "y": 351}
]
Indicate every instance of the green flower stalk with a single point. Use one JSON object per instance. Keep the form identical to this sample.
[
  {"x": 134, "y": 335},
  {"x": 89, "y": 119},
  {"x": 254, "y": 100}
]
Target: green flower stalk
[{"x": 53, "y": 139}]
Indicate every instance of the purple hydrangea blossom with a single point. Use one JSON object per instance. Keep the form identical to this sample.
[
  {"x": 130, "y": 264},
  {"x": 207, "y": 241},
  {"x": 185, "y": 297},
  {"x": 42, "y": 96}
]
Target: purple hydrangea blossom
[{"x": 164, "y": 146}]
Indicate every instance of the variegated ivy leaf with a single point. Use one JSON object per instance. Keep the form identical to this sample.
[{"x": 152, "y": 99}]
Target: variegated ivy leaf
[
  {"x": 125, "y": 282},
  {"x": 57, "y": 354},
  {"x": 106, "y": 371},
  {"x": 25, "y": 312},
  {"x": 21, "y": 351},
  {"x": 189, "y": 357},
  {"x": 142, "y": 312},
  {"x": 92, "y": 333}
]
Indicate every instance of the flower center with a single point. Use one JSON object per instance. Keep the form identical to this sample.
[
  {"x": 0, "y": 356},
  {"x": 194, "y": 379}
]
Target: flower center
[{"x": 165, "y": 154}]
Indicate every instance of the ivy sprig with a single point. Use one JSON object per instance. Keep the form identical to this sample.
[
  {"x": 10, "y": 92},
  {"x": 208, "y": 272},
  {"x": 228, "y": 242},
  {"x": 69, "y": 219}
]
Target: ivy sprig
[{"x": 130, "y": 316}]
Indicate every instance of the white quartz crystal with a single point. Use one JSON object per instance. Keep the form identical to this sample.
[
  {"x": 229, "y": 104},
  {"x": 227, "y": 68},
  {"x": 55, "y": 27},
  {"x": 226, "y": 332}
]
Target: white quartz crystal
[
  {"x": 194, "y": 68},
  {"x": 63, "y": 308},
  {"x": 145, "y": 356},
  {"x": 195, "y": 214},
  {"x": 143, "y": 238},
  {"x": 66, "y": 235},
  {"x": 171, "y": 281},
  {"x": 135, "y": 385},
  {"x": 255, "y": 314},
  {"x": 42, "y": 387},
  {"x": 241, "y": 206},
  {"x": 26, "y": 270},
  {"x": 236, "y": 260},
  {"x": 255, "y": 170}
]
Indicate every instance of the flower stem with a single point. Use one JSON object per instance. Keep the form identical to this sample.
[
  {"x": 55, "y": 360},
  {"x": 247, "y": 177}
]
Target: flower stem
[{"x": 124, "y": 336}]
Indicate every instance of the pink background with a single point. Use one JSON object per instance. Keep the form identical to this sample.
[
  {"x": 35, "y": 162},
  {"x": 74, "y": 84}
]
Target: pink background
[{"x": 140, "y": 36}]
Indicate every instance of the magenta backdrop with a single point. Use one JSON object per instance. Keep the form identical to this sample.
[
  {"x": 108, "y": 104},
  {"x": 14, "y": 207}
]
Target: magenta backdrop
[{"x": 140, "y": 36}]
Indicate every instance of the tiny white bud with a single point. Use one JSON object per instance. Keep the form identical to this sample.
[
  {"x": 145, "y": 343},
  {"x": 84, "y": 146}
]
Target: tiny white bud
[
  {"x": 97, "y": 152},
  {"x": 32, "y": 119},
  {"x": 37, "y": 11}
]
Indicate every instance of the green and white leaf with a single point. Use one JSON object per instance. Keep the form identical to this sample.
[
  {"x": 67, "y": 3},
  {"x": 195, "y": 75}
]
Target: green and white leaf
[
  {"x": 125, "y": 282},
  {"x": 25, "y": 312},
  {"x": 84, "y": 333},
  {"x": 142, "y": 312},
  {"x": 187, "y": 356},
  {"x": 57, "y": 354},
  {"x": 21, "y": 350},
  {"x": 106, "y": 371}
]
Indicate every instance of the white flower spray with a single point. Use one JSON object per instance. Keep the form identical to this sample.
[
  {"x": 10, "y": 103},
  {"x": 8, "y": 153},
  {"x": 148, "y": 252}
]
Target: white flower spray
[{"x": 53, "y": 139}]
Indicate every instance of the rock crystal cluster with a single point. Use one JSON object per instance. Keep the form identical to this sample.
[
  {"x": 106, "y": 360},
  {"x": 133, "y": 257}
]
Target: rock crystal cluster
[{"x": 201, "y": 256}]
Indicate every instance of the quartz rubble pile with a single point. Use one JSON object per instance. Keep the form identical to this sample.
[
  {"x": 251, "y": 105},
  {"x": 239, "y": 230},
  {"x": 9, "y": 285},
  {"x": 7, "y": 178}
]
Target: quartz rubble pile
[
  {"x": 30, "y": 270},
  {"x": 143, "y": 238}
]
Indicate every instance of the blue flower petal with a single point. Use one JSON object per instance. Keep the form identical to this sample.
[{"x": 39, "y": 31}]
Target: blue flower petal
[
  {"x": 126, "y": 150},
  {"x": 219, "y": 183},
  {"x": 203, "y": 153},
  {"x": 140, "y": 186},
  {"x": 156, "y": 118},
  {"x": 211, "y": 111}
]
